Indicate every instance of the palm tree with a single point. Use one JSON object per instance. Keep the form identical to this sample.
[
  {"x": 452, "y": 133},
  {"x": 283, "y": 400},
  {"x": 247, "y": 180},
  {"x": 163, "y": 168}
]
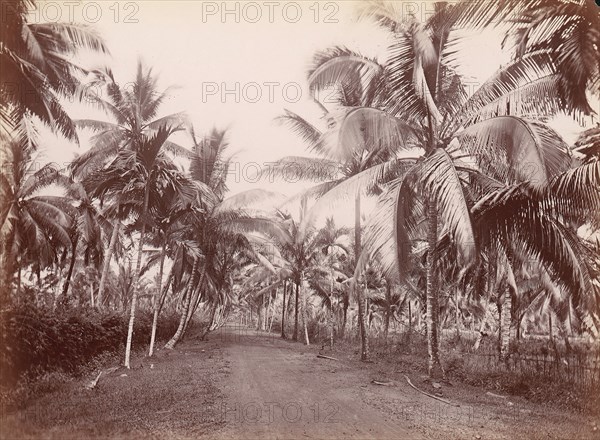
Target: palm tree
[
  {"x": 134, "y": 110},
  {"x": 37, "y": 67},
  {"x": 217, "y": 220},
  {"x": 471, "y": 148},
  {"x": 33, "y": 226},
  {"x": 558, "y": 36},
  {"x": 353, "y": 161},
  {"x": 145, "y": 169}
]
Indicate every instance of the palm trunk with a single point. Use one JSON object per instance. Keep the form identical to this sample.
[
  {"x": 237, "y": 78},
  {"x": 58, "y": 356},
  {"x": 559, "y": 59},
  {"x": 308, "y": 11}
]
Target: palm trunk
[
  {"x": 550, "y": 332},
  {"x": 19, "y": 269},
  {"x": 283, "y": 311},
  {"x": 259, "y": 311},
  {"x": 295, "y": 338},
  {"x": 71, "y": 267},
  {"x": 196, "y": 300},
  {"x": 344, "y": 320},
  {"x": 136, "y": 277},
  {"x": 456, "y": 314},
  {"x": 106, "y": 268},
  {"x": 213, "y": 312},
  {"x": 157, "y": 299},
  {"x": 435, "y": 367},
  {"x": 331, "y": 314},
  {"x": 505, "y": 321},
  {"x": 186, "y": 307},
  {"x": 364, "y": 341},
  {"x": 386, "y": 322},
  {"x": 304, "y": 315},
  {"x": 481, "y": 328},
  {"x": 409, "y": 317},
  {"x": 182, "y": 321}
]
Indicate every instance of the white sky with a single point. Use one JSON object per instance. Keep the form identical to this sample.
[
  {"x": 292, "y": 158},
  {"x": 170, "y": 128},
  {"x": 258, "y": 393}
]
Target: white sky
[{"x": 200, "y": 52}]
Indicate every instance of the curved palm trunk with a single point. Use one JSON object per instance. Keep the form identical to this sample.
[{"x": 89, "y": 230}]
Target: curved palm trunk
[
  {"x": 505, "y": 321},
  {"x": 136, "y": 278},
  {"x": 157, "y": 299},
  {"x": 213, "y": 312},
  {"x": 285, "y": 284},
  {"x": 71, "y": 267},
  {"x": 364, "y": 340},
  {"x": 107, "y": 258},
  {"x": 186, "y": 307},
  {"x": 196, "y": 300},
  {"x": 435, "y": 367}
]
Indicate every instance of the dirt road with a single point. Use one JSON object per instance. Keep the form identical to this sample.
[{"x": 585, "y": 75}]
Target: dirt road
[
  {"x": 280, "y": 390},
  {"x": 276, "y": 391},
  {"x": 241, "y": 384}
]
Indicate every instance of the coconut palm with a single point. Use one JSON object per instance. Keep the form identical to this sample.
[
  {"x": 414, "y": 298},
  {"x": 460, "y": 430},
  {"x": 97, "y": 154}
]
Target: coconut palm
[
  {"x": 217, "y": 221},
  {"x": 134, "y": 111},
  {"x": 34, "y": 226},
  {"x": 471, "y": 148},
  {"x": 146, "y": 171},
  {"x": 352, "y": 162},
  {"x": 560, "y": 36},
  {"x": 38, "y": 68}
]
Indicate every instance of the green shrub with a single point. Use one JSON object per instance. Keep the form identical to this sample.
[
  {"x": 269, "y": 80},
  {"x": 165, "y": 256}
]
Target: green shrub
[{"x": 35, "y": 341}]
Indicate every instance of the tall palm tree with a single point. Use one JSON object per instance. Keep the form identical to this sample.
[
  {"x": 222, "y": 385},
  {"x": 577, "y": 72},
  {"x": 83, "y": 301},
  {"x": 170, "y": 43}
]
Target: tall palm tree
[
  {"x": 352, "y": 161},
  {"x": 471, "y": 148},
  {"x": 38, "y": 67},
  {"x": 34, "y": 226},
  {"x": 134, "y": 111},
  {"x": 217, "y": 219},
  {"x": 147, "y": 171}
]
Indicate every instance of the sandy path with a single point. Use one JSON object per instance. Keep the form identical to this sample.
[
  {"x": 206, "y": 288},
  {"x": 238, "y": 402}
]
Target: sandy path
[{"x": 276, "y": 391}]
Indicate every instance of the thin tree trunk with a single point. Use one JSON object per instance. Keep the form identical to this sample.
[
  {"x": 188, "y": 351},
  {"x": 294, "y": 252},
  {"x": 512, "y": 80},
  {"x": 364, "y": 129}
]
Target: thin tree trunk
[
  {"x": 136, "y": 277},
  {"x": 364, "y": 340},
  {"x": 435, "y": 367},
  {"x": 157, "y": 298},
  {"x": 505, "y": 320},
  {"x": 260, "y": 310},
  {"x": 285, "y": 284},
  {"x": 332, "y": 315},
  {"x": 213, "y": 311},
  {"x": 456, "y": 314},
  {"x": 386, "y": 322},
  {"x": 196, "y": 300},
  {"x": 409, "y": 317},
  {"x": 171, "y": 343},
  {"x": 304, "y": 314},
  {"x": 71, "y": 267},
  {"x": 106, "y": 268},
  {"x": 19, "y": 269},
  {"x": 295, "y": 337}
]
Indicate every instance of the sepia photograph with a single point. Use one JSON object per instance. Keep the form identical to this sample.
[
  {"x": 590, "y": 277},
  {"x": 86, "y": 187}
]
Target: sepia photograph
[{"x": 310, "y": 219}]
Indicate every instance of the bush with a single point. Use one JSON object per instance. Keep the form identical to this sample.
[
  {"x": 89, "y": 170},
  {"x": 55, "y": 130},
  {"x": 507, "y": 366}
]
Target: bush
[{"x": 35, "y": 341}]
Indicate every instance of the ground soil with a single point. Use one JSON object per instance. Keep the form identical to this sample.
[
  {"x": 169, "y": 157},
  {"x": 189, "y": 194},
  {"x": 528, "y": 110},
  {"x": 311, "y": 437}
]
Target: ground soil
[{"x": 252, "y": 385}]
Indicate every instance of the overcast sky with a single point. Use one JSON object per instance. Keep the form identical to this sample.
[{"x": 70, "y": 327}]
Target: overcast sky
[{"x": 239, "y": 64}]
